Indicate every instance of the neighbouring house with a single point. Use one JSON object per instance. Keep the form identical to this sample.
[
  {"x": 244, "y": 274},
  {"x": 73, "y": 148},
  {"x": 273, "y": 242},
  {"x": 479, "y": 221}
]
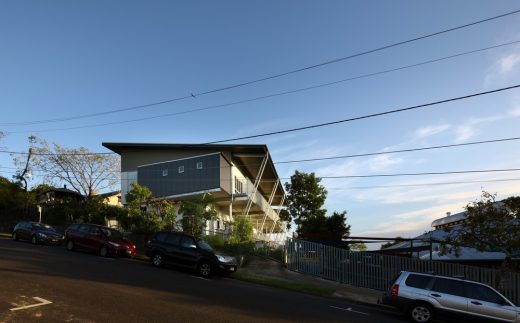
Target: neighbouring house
[
  {"x": 112, "y": 198},
  {"x": 56, "y": 196},
  {"x": 242, "y": 179},
  {"x": 427, "y": 246}
]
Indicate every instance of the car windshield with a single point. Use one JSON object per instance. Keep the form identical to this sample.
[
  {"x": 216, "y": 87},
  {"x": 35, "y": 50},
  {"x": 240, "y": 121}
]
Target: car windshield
[
  {"x": 112, "y": 233},
  {"x": 204, "y": 245},
  {"x": 43, "y": 227}
]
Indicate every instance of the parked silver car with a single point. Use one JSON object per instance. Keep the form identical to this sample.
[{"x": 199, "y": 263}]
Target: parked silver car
[{"x": 424, "y": 295}]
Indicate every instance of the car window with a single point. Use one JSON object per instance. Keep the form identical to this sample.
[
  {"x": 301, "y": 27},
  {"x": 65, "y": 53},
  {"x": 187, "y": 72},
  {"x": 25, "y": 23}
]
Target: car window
[
  {"x": 161, "y": 236},
  {"x": 173, "y": 239},
  {"x": 449, "y": 286},
  {"x": 483, "y": 293},
  {"x": 74, "y": 226},
  {"x": 204, "y": 245},
  {"x": 187, "y": 242},
  {"x": 418, "y": 281},
  {"x": 94, "y": 230},
  {"x": 84, "y": 228}
]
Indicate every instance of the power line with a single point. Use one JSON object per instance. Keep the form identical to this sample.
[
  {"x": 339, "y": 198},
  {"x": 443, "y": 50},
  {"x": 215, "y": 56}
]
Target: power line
[
  {"x": 325, "y": 177},
  {"x": 424, "y": 184},
  {"x": 313, "y": 87},
  {"x": 56, "y": 154},
  {"x": 333, "y": 157},
  {"x": 423, "y": 173},
  {"x": 399, "y": 151},
  {"x": 306, "y": 68},
  {"x": 367, "y": 116}
]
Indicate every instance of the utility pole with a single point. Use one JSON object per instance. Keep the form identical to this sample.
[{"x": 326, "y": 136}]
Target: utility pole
[{"x": 22, "y": 177}]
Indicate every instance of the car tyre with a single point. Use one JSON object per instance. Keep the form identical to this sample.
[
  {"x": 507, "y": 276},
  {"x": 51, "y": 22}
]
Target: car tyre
[
  {"x": 34, "y": 240},
  {"x": 204, "y": 269},
  {"x": 157, "y": 259},
  {"x": 15, "y": 236},
  {"x": 103, "y": 251},
  {"x": 70, "y": 245},
  {"x": 421, "y": 312}
]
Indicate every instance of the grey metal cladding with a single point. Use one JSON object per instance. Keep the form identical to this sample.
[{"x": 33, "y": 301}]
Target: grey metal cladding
[{"x": 175, "y": 183}]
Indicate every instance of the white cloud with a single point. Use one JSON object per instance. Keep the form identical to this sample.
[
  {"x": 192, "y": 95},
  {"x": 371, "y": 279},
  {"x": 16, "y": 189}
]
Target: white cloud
[
  {"x": 514, "y": 112},
  {"x": 508, "y": 63},
  {"x": 464, "y": 132},
  {"x": 430, "y": 130},
  {"x": 383, "y": 162}
]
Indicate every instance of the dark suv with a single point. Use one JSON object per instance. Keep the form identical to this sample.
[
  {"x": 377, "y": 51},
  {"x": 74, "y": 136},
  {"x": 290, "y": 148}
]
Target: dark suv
[
  {"x": 100, "y": 239},
  {"x": 186, "y": 251},
  {"x": 36, "y": 233},
  {"x": 424, "y": 295}
]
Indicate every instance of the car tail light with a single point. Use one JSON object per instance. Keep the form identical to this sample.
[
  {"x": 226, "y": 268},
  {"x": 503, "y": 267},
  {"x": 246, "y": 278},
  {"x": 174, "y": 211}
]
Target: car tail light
[{"x": 394, "y": 290}]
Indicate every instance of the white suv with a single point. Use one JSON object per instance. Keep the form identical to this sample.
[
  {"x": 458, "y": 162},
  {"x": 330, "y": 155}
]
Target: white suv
[{"x": 424, "y": 295}]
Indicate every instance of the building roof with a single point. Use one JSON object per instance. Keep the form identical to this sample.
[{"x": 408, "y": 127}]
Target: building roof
[
  {"x": 108, "y": 194},
  {"x": 246, "y": 157},
  {"x": 449, "y": 219},
  {"x": 62, "y": 190}
]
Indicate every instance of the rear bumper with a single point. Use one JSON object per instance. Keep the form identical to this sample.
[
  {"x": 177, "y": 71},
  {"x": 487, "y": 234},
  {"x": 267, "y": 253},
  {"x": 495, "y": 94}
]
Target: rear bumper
[
  {"x": 123, "y": 252},
  {"x": 399, "y": 302}
]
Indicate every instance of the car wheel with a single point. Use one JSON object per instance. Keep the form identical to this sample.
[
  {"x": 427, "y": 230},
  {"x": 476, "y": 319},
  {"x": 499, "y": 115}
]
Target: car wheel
[
  {"x": 204, "y": 269},
  {"x": 103, "y": 251},
  {"x": 421, "y": 312},
  {"x": 33, "y": 239},
  {"x": 15, "y": 236},
  {"x": 157, "y": 260},
  {"x": 70, "y": 245}
]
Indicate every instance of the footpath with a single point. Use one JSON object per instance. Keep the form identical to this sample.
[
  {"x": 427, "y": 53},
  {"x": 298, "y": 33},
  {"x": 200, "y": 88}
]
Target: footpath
[{"x": 264, "y": 267}]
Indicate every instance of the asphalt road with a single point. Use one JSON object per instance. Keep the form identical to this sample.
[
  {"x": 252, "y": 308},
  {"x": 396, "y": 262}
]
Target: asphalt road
[{"x": 87, "y": 288}]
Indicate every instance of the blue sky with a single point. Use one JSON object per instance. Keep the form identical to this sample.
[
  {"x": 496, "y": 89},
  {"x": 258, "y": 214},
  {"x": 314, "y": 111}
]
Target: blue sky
[{"x": 64, "y": 58}]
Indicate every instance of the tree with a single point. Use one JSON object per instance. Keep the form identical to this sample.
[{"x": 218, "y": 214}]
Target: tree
[
  {"x": 323, "y": 228},
  {"x": 145, "y": 215},
  {"x": 12, "y": 199},
  {"x": 358, "y": 246},
  {"x": 489, "y": 226},
  {"x": 241, "y": 230},
  {"x": 305, "y": 197},
  {"x": 195, "y": 213},
  {"x": 86, "y": 173}
]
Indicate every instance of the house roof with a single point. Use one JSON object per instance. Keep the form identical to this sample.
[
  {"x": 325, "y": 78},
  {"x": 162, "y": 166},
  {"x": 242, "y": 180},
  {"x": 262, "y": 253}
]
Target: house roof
[
  {"x": 449, "y": 219},
  {"x": 464, "y": 254},
  {"x": 108, "y": 194},
  {"x": 62, "y": 190},
  {"x": 245, "y": 156}
]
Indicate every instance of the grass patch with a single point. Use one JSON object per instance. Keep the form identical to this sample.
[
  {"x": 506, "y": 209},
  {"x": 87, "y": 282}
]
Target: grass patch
[
  {"x": 5, "y": 235},
  {"x": 284, "y": 284}
]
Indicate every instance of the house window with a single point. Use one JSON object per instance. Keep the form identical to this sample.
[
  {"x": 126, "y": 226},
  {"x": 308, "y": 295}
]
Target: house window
[
  {"x": 199, "y": 165},
  {"x": 238, "y": 185},
  {"x": 165, "y": 172},
  {"x": 181, "y": 169}
]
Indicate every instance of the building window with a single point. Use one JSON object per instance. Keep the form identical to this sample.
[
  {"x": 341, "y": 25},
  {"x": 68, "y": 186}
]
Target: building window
[
  {"x": 165, "y": 172},
  {"x": 199, "y": 165},
  {"x": 238, "y": 185},
  {"x": 181, "y": 169}
]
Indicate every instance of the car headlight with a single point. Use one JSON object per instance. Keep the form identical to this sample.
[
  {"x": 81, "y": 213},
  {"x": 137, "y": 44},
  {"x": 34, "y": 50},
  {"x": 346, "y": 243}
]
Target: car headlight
[
  {"x": 222, "y": 258},
  {"x": 113, "y": 244}
]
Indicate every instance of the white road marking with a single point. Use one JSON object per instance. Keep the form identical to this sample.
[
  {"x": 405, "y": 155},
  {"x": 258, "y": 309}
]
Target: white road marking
[
  {"x": 199, "y": 277},
  {"x": 41, "y": 300},
  {"x": 349, "y": 309}
]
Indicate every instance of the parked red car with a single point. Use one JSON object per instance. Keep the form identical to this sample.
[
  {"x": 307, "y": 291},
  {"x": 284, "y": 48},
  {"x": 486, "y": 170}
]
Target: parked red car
[{"x": 102, "y": 240}]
